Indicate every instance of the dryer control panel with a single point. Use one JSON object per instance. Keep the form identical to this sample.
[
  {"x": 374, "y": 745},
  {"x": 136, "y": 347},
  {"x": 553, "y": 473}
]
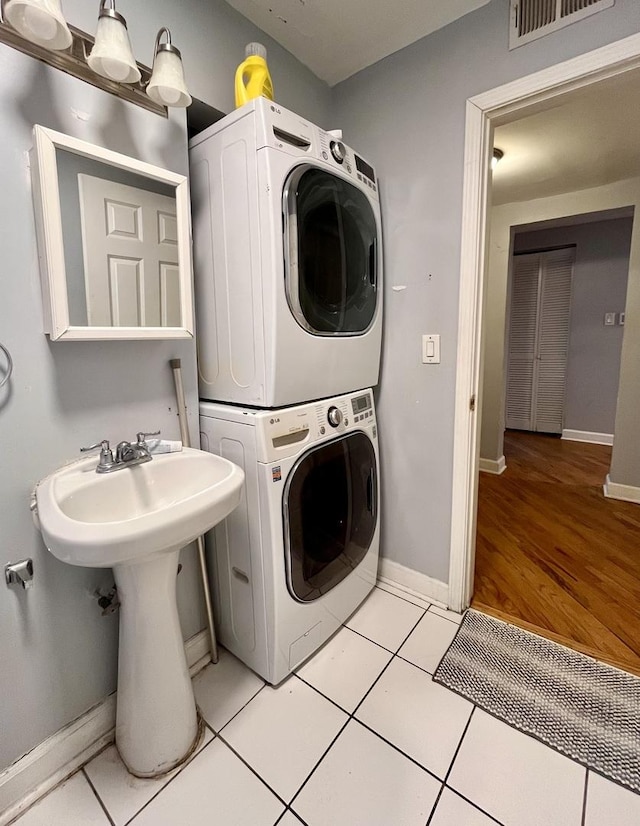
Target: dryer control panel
[
  {"x": 345, "y": 158},
  {"x": 280, "y": 129}
]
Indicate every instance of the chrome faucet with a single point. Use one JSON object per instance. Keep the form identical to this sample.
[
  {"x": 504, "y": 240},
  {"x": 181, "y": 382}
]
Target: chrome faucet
[{"x": 128, "y": 454}]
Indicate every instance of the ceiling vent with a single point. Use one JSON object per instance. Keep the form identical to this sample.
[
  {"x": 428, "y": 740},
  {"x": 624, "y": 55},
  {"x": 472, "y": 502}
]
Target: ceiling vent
[{"x": 531, "y": 19}]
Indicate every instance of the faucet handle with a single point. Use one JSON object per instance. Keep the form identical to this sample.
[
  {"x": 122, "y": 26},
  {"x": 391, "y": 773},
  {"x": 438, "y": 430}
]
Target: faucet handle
[
  {"x": 106, "y": 455},
  {"x": 103, "y": 445},
  {"x": 141, "y": 437}
]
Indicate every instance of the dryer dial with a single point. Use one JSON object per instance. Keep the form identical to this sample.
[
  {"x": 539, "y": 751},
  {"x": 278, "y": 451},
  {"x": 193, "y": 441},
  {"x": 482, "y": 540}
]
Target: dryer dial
[
  {"x": 334, "y": 416},
  {"x": 338, "y": 150}
]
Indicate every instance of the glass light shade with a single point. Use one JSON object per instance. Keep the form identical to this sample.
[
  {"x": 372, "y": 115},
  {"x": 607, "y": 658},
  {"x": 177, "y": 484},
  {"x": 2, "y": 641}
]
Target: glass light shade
[
  {"x": 167, "y": 85},
  {"x": 112, "y": 56},
  {"x": 39, "y": 21}
]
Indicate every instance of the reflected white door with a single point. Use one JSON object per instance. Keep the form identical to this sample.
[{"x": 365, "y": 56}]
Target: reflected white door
[{"x": 130, "y": 251}]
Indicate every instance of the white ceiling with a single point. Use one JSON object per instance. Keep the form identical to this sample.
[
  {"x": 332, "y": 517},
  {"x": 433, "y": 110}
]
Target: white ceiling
[
  {"x": 587, "y": 138},
  {"x": 337, "y": 38}
]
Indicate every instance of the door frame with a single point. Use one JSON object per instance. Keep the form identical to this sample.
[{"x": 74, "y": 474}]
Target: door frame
[{"x": 483, "y": 113}]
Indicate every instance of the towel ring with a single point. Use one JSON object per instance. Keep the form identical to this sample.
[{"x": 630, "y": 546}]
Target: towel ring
[{"x": 9, "y": 371}]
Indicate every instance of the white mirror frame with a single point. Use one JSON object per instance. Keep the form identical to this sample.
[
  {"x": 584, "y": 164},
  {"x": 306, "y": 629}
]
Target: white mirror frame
[{"x": 46, "y": 194}]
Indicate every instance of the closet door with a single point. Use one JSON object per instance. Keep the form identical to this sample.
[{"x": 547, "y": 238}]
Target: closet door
[
  {"x": 539, "y": 340},
  {"x": 521, "y": 359}
]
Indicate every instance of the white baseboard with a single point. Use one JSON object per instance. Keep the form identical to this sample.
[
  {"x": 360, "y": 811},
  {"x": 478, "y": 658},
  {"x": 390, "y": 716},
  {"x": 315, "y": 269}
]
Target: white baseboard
[
  {"x": 627, "y": 493},
  {"x": 495, "y": 466},
  {"x": 198, "y": 651},
  {"x": 588, "y": 436},
  {"x": 46, "y": 765},
  {"x": 42, "y": 768},
  {"x": 414, "y": 583}
]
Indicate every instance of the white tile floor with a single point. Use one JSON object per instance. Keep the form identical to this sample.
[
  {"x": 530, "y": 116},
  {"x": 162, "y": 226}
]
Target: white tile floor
[{"x": 360, "y": 736}]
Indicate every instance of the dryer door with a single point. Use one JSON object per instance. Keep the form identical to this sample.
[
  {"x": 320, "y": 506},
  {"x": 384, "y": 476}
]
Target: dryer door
[
  {"x": 330, "y": 512},
  {"x": 331, "y": 253}
]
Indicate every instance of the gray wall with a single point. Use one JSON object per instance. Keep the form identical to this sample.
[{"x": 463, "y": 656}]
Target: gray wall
[
  {"x": 406, "y": 114},
  {"x": 599, "y": 285},
  {"x": 58, "y": 654}
]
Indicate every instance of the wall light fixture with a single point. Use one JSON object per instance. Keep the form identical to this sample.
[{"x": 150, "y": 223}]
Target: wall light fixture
[
  {"x": 497, "y": 156},
  {"x": 38, "y": 28},
  {"x": 112, "y": 55},
  {"x": 167, "y": 85},
  {"x": 40, "y": 22}
]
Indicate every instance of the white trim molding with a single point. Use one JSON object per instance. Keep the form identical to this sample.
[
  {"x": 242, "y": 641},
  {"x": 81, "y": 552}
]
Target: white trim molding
[
  {"x": 60, "y": 755},
  {"x": 464, "y": 494},
  {"x": 413, "y": 583},
  {"x": 197, "y": 650},
  {"x": 626, "y": 493},
  {"x": 508, "y": 101},
  {"x": 57, "y": 757},
  {"x": 495, "y": 466},
  {"x": 588, "y": 436}
]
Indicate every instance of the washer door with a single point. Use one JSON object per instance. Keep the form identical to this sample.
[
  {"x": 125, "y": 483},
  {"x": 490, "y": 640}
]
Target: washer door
[
  {"x": 329, "y": 506},
  {"x": 331, "y": 250}
]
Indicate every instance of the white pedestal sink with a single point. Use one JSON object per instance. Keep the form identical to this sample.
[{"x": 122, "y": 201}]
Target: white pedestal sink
[{"x": 135, "y": 520}]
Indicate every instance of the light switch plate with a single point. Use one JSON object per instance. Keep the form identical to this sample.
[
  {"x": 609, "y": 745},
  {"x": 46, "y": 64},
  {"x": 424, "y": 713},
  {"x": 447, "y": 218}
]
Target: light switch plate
[
  {"x": 621, "y": 319},
  {"x": 431, "y": 348},
  {"x": 609, "y": 319}
]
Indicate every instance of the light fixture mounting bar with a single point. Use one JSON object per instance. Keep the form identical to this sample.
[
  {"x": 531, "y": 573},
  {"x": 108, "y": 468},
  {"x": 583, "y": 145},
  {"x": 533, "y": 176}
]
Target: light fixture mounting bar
[{"x": 74, "y": 63}]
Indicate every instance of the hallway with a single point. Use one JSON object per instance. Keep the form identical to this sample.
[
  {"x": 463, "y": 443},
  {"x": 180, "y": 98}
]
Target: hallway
[{"x": 554, "y": 555}]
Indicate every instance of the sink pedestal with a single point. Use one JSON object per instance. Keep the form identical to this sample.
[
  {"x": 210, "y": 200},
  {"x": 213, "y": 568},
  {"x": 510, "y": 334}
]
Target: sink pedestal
[
  {"x": 156, "y": 721},
  {"x": 135, "y": 520}
]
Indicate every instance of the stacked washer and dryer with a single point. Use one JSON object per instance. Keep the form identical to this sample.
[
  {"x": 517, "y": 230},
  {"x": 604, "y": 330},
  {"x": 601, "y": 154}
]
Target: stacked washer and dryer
[{"x": 288, "y": 268}]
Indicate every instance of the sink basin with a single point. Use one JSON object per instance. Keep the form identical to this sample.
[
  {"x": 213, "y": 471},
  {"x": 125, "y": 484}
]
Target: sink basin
[
  {"x": 135, "y": 520},
  {"x": 102, "y": 520}
]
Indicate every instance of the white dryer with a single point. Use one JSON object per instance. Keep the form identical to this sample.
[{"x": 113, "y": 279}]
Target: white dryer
[
  {"x": 287, "y": 260},
  {"x": 299, "y": 554}
]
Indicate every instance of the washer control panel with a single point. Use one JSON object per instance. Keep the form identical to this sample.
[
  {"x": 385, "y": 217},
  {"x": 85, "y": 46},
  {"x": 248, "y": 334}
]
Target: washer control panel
[
  {"x": 332, "y": 417},
  {"x": 288, "y": 431},
  {"x": 345, "y": 413},
  {"x": 362, "y": 407}
]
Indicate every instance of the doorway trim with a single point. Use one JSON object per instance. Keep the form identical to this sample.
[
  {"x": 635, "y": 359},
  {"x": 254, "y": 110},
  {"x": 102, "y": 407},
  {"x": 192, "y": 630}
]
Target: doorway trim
[{"x": 483, "y": 112}]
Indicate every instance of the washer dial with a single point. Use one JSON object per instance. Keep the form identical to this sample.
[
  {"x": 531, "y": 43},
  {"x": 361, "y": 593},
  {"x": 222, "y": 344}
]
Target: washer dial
[{"x": 334, "y": 416}]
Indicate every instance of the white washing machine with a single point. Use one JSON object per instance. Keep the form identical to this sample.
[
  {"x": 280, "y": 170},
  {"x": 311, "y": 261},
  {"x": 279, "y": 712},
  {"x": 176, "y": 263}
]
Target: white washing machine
[
  {"x": 287, "y": 260},
  {"x": 300, "y": 553}
]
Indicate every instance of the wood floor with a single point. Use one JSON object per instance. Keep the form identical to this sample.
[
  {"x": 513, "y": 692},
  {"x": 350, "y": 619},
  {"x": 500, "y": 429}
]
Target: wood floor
[{"x": 554, "y": 555}]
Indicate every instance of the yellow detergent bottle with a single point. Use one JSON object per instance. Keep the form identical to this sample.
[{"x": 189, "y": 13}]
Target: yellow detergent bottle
[{"x": 252, "y": 75}]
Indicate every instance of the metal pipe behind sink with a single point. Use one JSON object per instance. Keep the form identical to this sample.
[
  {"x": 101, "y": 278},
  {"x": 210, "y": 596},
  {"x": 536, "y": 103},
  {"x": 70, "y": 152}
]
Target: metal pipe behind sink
[{"x": 186, "y": 441}]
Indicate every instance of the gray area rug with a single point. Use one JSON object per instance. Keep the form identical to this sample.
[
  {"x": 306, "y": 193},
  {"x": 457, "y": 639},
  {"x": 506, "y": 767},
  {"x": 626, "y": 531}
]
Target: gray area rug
[{"x": 580, "y": 707}]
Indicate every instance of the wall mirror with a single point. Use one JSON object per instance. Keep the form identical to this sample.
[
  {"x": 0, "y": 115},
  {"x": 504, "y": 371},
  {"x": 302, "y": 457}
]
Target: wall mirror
[{"x": 113, "y": 240}]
